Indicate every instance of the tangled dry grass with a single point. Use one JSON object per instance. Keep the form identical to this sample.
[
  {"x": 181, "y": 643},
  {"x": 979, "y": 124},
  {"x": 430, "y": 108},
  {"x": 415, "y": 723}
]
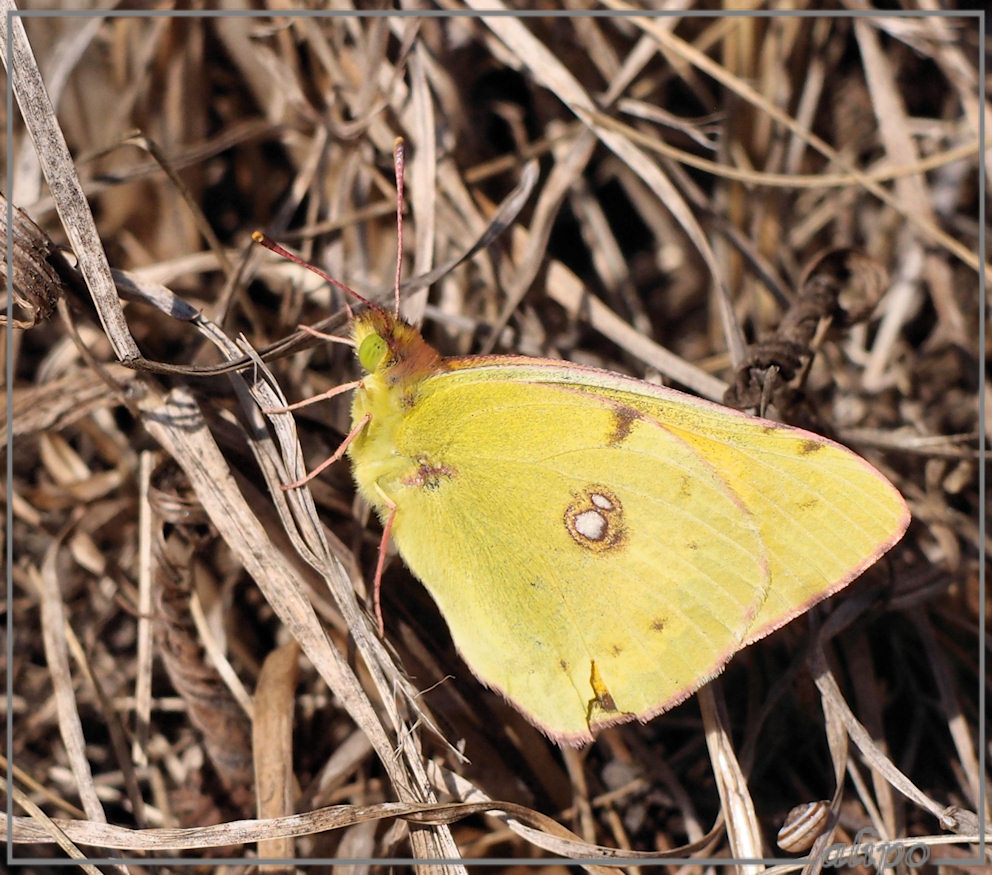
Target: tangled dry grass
[{"x": 192, "y": 647}]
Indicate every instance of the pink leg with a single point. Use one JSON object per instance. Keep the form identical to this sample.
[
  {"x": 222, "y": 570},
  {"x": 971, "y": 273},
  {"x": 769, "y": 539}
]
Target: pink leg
[
  {"x": 338, "y": 453},
  {"x": 323, "y": 396},
  {"x": 381, "y": 564},
  {"x": 325, "y": 336}
]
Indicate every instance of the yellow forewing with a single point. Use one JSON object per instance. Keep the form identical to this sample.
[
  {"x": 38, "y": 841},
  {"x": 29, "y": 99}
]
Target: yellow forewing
[{"x": 598, "y": 546}]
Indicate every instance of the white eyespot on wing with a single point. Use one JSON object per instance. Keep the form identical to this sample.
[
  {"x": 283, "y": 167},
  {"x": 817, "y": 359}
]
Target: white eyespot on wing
[
  {"x": 591, "y": 524},
  {"x": 594, "y": 519},
  {"x": 601, "y": 501}
]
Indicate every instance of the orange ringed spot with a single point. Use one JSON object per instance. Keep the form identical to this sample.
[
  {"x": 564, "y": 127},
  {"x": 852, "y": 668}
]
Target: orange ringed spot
[{"x": 594, "y": 519}]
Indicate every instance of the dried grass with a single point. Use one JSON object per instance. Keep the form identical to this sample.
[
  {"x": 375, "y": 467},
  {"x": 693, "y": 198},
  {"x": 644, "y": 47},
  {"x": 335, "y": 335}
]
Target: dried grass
[{"x": 691, "y": 169}]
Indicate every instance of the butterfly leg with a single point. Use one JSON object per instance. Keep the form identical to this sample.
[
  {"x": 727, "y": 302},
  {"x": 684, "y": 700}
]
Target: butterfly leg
[
  {"x": 338, "y": 453},
  {"x": 323, "y": 335},
  {"x": 380, "y": 564},
  {"x": 323, "y": 396}
]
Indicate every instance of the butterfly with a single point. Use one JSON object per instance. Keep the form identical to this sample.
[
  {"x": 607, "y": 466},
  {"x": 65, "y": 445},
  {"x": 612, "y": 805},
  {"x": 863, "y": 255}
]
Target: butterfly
[{"x": 599, "y": 546}]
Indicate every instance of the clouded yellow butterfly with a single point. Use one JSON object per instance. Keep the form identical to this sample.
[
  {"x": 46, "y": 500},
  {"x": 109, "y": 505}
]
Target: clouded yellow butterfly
[{"x": 599, "y": 546}]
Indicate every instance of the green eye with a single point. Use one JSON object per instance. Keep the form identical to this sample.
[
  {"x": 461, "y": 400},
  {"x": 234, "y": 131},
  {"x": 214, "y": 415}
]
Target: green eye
[{"x": 371, "y": 352}]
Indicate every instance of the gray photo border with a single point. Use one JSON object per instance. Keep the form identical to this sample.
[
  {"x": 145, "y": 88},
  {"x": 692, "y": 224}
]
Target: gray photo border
[{"x": 977, "y": 14}]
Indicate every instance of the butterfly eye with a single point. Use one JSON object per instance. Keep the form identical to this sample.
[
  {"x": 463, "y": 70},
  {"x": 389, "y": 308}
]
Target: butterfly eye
[{"x": 371, "y": 352}]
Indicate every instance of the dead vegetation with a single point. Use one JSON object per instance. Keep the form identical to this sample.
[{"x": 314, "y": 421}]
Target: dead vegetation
[{"x": 192, "y": 646}]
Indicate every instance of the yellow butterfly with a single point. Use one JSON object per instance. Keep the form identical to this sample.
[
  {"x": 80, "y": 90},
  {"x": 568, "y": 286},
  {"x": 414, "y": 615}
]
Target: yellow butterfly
[{"x": 600, "y": 547}]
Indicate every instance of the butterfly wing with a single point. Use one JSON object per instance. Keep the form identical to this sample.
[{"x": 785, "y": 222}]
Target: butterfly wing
[{"x": 600, "y": 547}]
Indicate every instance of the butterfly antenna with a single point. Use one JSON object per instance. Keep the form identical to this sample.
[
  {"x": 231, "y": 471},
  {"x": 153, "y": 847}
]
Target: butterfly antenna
[
  {"x": 399, "y": 163},
  {"x": 272, "y": 246}
]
